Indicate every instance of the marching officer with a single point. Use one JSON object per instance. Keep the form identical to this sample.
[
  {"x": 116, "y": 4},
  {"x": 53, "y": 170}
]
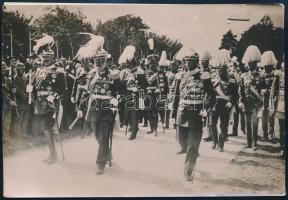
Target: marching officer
[
  {"x": 193, "y": 86},
  {"x": 48, "y": 87},
  {"x": 101, "y": 92},
  {"x": 268, "y": 61},
  {"x": 135, "y": 82},
  {"x": 250, "y": 94},
  {"x": 205, "y": 64},
  {"x": 158, "y": 90},
  {"x": 226, "y": 95}
]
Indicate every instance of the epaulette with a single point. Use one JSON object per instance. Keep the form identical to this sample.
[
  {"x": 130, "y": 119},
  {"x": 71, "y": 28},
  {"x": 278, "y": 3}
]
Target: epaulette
[
  {"x": 277, "y": 72},
  {"x": 205, "y": 75}
]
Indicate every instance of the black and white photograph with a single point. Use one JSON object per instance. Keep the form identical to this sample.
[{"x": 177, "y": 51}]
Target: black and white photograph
[{"x": 143, "y": 100}]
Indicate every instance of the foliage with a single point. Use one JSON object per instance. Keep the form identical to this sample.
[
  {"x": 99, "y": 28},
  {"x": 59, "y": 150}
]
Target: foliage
[{"x": 229, "y": 42}]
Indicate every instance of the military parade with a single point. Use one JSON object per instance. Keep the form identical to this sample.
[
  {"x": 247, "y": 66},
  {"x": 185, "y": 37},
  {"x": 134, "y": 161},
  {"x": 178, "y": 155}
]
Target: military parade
[
  {"x": 104, "y": 101},
  {"x": 193, "y": 92}
]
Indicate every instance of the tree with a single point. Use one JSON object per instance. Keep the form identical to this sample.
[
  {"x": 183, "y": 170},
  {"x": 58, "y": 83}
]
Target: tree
[
  {"x": 64, "y": 26},
  {"x": 229, "y": 42},
  {"x": 130, "y": 30},
  {"x": 265, "y": 36},
  {"x": 15, "y": 24}
]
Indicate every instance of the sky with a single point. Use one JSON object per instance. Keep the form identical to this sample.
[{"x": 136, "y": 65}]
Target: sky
[{"x": 199, "y": 26}]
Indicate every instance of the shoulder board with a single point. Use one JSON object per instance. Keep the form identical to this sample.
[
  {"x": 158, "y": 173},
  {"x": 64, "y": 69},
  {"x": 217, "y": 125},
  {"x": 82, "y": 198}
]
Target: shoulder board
[{"x": 205, "y": 75}]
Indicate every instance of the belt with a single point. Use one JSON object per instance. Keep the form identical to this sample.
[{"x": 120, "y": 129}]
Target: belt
[
  {"x": 44, "y": 93},
  {"x": 151, "y": 88},
  {"x": 103, "y": 97},
  {"x": 222, "y": 98},
  {"x": 183, "y": 101}
]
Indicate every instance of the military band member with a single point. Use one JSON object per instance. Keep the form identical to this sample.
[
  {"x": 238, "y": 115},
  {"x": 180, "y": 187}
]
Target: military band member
[
  {"x": 250, "y": 94},
  {"x": 192, "y": 89},
  {"x": 101, "y": 92}
]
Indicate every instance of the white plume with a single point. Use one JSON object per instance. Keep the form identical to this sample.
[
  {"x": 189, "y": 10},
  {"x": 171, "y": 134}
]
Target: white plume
[
  {"x": 151, "y": 43},
  {"x": 90, "y": 49},
  {"x": 222, "y": 57},
  {"x": 268, "y": 58},
  {"x": 45, "y": 40},
  {"x": 163, "y": 59},
  {"x": 127, "y": 55},
  {"x": 251, "y": 54},
  {"x": 183, "y": 52}
]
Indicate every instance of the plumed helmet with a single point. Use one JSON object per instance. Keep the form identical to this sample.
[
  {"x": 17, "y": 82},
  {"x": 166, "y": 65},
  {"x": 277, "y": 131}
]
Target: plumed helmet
[
  {"x": 268, "y": 58},
  {"x": 153, "y": 59},
  {"x": 191, "y": 55},
  {"x": 252, "y": 54}
]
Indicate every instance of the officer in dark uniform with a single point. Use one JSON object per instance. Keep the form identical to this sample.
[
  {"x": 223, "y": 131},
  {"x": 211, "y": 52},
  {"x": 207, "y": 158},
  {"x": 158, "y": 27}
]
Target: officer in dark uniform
[
  {"x": 170, "y": 78},
  {"x": 158, "y": 90},
  {"x": 205, "y": 59},
  {"x": 268, "y": 117},
  {"x": 193, "y": 87},
  {"x": 48, "y": 86},
  {"x": 250, "y": 94},
  {"x": 135, "y": 82},
  {"x": 102, "y": 90},
  {"x": 226, "y": 95}
]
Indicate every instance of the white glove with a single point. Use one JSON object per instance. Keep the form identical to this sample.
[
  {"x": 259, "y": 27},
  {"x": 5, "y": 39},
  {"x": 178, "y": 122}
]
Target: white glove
[
  {"x": 241, "y": 106},
  {"x": 50, "y": 98},
  {"x": 228, "y": 105},
  {"x": 72, "y": 100},
  {"x": 14, "y": 90},
  {"x": 203, "y": 113},
  {"x": 29, "y": 88},
  {"x": 79, "y": 114},
  {"x": 13, "y": 103},
  {"x": 114, "y": 102},
  {"x": 134, "y": 89}
]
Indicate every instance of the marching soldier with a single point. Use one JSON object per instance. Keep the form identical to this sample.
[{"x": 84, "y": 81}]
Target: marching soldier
[
  {"x": 158, "y": 90},
  {"x": 102, "y": 91},
  {"x": 193, "y": 86},
  {"x": 170, "y": 77},
  {"x": 47, "y": 90},
  {"x": 205, "y": 59},
  {"x": 135, "y": 82},
  {"x": 250, "y": 97},
  {"x": 226, "y": 95},
  {"x": 268, "y": 61}
]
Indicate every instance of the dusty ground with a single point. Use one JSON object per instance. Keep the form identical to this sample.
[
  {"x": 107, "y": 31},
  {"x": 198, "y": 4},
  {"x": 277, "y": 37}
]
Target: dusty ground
[{"x": 147, "y": 166}]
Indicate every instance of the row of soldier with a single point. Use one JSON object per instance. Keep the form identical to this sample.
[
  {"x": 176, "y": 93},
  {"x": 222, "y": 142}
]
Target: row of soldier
[{"x": 197, "y": 91}]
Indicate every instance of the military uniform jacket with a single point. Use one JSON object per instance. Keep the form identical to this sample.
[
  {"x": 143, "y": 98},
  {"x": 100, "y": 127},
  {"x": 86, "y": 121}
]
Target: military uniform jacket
[
  {"x": 102, "y": 87},
  {"x": 20, "y": 84},
  {"x": 250, "y": 90},
  {"x": 158, "y": 82},
  {"x": 226, "y": 91},
  {"x": 193, "y": 87},
  {"x": 266, "y": 89},
  {"x": 80, "y": 85},
  {"x": 48, "y": 81}
]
